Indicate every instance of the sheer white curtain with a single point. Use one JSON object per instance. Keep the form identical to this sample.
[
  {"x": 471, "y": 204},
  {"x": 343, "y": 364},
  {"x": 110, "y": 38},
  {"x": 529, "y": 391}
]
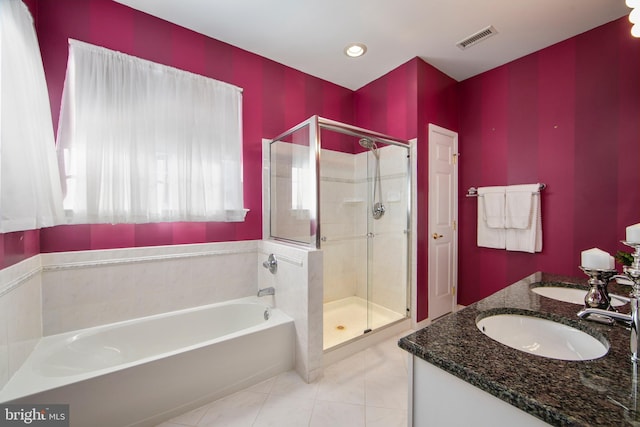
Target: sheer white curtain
[
  {"x": 143, "y": 142},
  {"x": 30, "y": 195}
]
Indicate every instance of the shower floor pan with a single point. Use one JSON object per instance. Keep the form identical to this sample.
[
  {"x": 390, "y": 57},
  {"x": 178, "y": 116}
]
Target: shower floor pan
[{"x": 346, "y": 319}]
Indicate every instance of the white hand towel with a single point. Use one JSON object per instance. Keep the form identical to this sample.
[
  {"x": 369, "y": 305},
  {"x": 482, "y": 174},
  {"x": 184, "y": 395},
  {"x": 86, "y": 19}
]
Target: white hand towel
[
  {"x": 488, "y": 237},
  {"x": 494, "y": 205},
  {"x": 518, "y": 205},
  {"x": 528, "y": 239}
]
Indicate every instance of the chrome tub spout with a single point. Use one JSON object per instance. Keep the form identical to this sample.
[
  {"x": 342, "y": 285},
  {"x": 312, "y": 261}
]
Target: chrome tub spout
[{"x": 267, "y": 291}]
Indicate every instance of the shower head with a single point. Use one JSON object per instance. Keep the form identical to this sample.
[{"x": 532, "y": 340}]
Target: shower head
[{"x": 368, "y": 143}]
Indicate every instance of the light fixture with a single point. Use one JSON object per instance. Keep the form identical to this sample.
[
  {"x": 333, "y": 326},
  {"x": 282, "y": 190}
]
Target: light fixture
[
  {"x": 635, "y": 30},
  {"x": 633, "y": 3},
  {"x": 634, "y": 16},
  {"x": 355, "y": 50}
]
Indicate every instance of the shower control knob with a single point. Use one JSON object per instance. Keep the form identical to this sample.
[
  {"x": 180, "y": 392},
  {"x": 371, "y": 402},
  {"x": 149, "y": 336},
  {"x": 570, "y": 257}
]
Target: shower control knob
[{"x": 436, "y": 236}]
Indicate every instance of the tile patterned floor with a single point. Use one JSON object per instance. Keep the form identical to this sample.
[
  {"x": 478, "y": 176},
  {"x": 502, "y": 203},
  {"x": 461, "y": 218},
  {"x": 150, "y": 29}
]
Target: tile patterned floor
[{"x": 368, "y": 389}]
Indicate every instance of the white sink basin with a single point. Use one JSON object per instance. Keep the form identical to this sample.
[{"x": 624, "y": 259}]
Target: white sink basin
[
  {"x": 571, "y": 295},
  {"x": 542, "y": 337}
]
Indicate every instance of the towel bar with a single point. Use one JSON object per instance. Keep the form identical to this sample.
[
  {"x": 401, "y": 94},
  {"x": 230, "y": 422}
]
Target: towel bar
[{"x": 473, "y": 191}]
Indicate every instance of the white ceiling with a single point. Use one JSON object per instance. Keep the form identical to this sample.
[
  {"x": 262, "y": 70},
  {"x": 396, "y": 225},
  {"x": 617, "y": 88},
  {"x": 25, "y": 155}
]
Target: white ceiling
[{"x": 310, "y": 35}]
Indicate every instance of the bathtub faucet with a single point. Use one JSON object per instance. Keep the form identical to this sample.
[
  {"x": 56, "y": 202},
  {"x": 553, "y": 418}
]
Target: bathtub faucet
[
  {"x": 267, "y": 291},
  {"x": 271, "y": 264}
]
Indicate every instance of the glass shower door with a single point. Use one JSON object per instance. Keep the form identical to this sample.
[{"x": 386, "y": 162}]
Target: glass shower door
[
  {"x": 343, "y": 201},
  {"x": 387, "y": 235}
]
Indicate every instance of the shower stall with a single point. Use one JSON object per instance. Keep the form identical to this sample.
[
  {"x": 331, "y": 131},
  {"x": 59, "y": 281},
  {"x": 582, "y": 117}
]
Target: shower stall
[{"x": 346, "y": 190}]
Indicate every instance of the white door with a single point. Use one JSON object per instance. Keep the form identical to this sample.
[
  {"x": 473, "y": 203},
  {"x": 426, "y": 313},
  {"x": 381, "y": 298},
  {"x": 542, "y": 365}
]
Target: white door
[{"x": 443, "y": 218}]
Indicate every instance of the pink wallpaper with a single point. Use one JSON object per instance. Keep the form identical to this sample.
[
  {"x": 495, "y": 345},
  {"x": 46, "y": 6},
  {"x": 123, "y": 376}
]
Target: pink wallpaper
[
  {"x": 275, "y": 98},
  {"x": 568, "y": 116}
]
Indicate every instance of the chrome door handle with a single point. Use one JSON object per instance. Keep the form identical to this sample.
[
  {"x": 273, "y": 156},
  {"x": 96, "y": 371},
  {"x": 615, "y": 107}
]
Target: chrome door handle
[{"x": 436, "y": 236}]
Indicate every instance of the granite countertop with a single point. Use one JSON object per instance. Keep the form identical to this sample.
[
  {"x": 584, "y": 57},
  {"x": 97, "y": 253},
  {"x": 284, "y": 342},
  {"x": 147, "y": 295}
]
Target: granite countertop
[{"x": 599, "y": 392}]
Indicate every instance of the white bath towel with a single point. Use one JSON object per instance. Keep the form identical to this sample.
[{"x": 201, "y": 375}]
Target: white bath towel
[
  {"x": 490, "y": 237},
  {"x": 494, "y": 205},
  {"x": 518, "y": 205},
  {"x": 527, "y": 239}
]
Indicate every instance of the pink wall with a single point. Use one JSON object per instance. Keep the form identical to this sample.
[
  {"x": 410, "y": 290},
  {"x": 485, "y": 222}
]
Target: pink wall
[
  {"x": 568, "y": 116},
  {"x": 15, "y": 247},
  {"x": 275, "y": 98}
]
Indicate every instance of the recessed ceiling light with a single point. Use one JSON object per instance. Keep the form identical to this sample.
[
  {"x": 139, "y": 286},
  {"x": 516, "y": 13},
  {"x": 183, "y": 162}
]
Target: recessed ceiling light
[{"x": 355, "y": 50}]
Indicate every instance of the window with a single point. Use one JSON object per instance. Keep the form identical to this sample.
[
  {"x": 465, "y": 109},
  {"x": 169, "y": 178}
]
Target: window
[{"x": 143, "y": 142}]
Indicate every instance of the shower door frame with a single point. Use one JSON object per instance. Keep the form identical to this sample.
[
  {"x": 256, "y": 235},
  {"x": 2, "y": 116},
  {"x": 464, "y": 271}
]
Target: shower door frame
[{"x": 316, "y": 124}]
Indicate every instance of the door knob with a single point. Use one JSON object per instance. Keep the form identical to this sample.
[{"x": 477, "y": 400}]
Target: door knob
[{"x": 436, "y": 236}]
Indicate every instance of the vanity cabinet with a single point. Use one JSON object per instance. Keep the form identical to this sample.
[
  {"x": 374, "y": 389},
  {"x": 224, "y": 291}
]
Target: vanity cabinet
[
  {"x": 461, "y": 377},
  {"x": 441, "y": 399}
]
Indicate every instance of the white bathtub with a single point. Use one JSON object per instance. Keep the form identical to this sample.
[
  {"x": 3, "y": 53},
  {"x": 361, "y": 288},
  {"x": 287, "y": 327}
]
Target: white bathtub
[{"x": 143, "y": 371}]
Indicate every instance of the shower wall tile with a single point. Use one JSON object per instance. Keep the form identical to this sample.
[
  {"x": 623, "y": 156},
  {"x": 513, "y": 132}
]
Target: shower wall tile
[
  {"x": 394, "y": 160},
  {"x": 361, "y": 253},
  {"x": 336, "y": 165},
  {"x": 390, "y": 272},
  {"x": 342, "y": 207},
  {"x": 360, "y": 171},
  {"x": 337, "y": 232},
  {"x": 84, "y": 289},
  {"x": 340, "y": 276},
  {"x": 394, "y": 198}
]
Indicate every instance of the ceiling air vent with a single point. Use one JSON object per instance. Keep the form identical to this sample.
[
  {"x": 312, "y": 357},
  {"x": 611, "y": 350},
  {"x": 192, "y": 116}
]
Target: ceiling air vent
[{"x": 481, "y": 35}]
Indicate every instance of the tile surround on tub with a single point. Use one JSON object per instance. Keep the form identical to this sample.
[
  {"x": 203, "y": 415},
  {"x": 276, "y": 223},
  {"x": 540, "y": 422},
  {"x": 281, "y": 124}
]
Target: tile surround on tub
[
  {"x": 299, "y": 294},
  {"x": 20, "y": 314},
  {"x": 4, "y": 341},
  {"x": 24, "y": 321},
  {"x": 89, "y": 288},
  {"x": 16, "y": 274},
  {"x": 72, "y": 259}
]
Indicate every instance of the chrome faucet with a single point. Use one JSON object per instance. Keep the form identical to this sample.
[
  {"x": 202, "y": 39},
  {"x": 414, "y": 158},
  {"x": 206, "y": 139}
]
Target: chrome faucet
[
  {"x": 632, "y": 319},
  {"x": 271, "y": 264},
  {"x": 267, "y": 291}
]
